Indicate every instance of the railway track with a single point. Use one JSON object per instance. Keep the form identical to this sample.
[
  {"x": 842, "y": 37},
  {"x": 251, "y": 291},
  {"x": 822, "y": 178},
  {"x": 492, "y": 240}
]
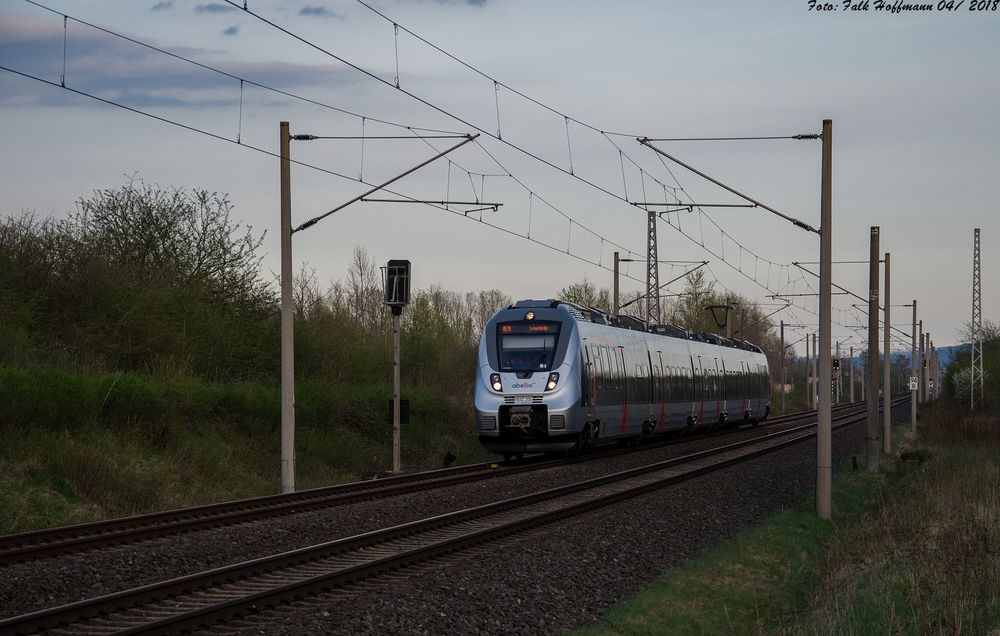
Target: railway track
[
  {"x": 63, "y": 540},
  {"x": 199, "y": 600}
]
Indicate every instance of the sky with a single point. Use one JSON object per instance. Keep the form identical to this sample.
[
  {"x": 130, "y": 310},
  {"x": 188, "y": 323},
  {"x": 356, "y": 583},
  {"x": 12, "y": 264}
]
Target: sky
[{"x": 559, "y": 92}]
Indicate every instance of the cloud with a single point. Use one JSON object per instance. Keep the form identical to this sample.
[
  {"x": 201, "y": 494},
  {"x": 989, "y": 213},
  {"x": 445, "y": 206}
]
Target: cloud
[
  {"x": 163, "y": 5},
  {"x": 233, "y": 30},
  {"x": 317, "y": 11},
  {"x": 134, "y": 75},
  {"x": 214, "y": 7}
]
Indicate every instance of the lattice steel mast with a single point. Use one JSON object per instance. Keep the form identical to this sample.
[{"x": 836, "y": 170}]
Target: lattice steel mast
[
  {"x": 652, "y": 272},
  {"x": 977, "y": 325}
]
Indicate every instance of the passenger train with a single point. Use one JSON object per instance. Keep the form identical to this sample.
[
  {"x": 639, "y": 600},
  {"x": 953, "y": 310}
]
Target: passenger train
[{"x": 553, "y": 376}]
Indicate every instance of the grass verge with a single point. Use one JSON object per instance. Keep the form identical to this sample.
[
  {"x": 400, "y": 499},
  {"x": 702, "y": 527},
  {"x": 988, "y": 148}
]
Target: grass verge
[
  {"x": 76, "y": 447},
  {"x": 908, "y": 551}
]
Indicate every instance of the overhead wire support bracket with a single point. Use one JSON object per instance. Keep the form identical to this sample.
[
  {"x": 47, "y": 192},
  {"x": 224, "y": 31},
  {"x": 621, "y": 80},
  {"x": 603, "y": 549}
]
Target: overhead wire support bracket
[
  {"x": 688, "y": 205},
  {"x": 313, "y": 221},
  {"x": 412, "y": 137},
  {"x": 764, "y": 138},
  {"x": 776, "y": 296},
  {"x": 487, "y": 205},
  {"x": 805, "y": 226},
  {"x": 657, "y": 291}
]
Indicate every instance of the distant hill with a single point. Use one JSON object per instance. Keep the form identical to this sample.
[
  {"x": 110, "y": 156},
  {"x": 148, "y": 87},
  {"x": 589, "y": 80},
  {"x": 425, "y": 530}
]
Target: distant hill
[{"x": 945, "y": 355}]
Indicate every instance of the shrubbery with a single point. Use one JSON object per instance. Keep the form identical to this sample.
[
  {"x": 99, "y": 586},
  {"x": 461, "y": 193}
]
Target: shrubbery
[{"x": 162, "y": 281}]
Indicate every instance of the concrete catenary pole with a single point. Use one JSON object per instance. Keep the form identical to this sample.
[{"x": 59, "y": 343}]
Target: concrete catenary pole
[
  {"x": 852, "y": 375},
  {"x": 781, "y": 373},
  {"x": 614, "y": 310},
  {"x": 886, "y": 371},
  {"x": 937, "y": 375},
  {"x": 862, "y": 359},
  {"x": 287, "y": 340},
  {"x": 871, "y": 368},
  {"x": 923, "y": 364},
  {"x": 913, "y": 370},
  {"x": 927, "y": 371},
  {"x": 824, "y": 461}
]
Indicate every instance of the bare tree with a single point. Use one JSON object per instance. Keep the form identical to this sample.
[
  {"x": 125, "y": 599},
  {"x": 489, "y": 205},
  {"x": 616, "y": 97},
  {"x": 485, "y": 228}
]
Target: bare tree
[
  {"x": 990, "y": 331},
  {"x": 364, "y": 291},
  {"x": 586, "y": 294}
]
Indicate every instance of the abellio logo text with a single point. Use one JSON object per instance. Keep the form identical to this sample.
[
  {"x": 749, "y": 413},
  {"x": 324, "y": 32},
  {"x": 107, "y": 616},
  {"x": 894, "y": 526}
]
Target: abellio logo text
[{"x": 523, "y": 385}]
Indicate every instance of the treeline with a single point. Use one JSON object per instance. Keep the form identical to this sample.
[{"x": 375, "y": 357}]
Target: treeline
[
  {"x": 958, "y": 374},
  {"x": 164, "y": 282},
  {"x": 747, "y": 321}
]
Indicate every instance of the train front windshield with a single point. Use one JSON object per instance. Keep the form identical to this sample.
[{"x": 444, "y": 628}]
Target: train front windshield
[{"x": 527, "y": 346}]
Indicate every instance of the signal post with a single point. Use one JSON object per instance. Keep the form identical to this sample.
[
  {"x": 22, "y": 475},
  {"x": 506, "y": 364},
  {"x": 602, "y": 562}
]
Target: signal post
[{"x": 397, "y": 296}]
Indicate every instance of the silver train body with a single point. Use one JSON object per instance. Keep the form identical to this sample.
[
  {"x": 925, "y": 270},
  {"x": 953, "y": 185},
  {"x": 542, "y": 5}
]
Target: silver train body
[{"x": 553, "y": 376}]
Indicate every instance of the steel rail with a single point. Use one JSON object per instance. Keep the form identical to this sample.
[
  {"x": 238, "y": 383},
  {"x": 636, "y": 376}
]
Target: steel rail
[
  {"x": 67, "y": 539},
  {"x": 176, "y": 596}
]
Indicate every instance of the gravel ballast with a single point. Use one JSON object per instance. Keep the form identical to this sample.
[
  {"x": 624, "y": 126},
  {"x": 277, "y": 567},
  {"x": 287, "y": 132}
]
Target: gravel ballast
[{"x": 551, "y": 579}]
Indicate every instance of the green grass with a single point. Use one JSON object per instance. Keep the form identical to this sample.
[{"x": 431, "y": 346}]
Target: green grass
[
  {"x": 928, "y": 560},
  {"x": 76, "y": 447},
  {"x": 908, "y": 551},
  {"x": 747, "y": 583}
]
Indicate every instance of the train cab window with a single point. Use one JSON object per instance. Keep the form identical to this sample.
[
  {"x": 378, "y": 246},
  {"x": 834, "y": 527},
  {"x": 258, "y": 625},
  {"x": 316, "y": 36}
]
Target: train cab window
[{"x": 527, "y": 345}]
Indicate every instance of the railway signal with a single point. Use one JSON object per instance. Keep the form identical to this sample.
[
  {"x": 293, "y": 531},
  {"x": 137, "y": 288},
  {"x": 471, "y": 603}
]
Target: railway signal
[{"x": 397, "y": 295}]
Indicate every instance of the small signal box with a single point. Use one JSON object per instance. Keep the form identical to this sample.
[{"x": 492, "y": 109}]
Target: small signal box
[{"x": 397, "y": 285}]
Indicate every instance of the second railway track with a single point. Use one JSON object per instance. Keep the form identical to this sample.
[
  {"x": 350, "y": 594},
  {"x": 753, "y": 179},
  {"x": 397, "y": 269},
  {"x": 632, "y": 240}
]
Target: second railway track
[
  {"x": 198, "y": 600},
  {"x": 54, "y": 541}
]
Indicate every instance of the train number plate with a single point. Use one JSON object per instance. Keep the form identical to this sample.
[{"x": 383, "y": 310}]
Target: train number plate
[{"x": 522, "y": 399}]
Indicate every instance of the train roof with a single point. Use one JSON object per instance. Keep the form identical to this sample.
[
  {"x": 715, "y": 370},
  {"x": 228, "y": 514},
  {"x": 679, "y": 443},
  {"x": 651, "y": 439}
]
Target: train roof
[{"x": 600, "y": 317}]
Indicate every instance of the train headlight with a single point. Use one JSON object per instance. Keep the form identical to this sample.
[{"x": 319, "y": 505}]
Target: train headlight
[
  {"x": 553, "y": 381},
  {"x": 496, "y": 383}
]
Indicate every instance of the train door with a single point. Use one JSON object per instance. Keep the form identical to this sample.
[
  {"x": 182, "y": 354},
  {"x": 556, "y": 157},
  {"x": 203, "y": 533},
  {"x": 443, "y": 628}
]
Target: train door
[
  {"x": 744, "y": 388},
  {"x": 620, "y": 359},
  {"x": 691, "y": 393},
  {"x": 662, "y": 390},
  {"x": 588, "y": 382},
  {"x": 723, "y": 381},
  {"x": 699, "y": 389}
]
